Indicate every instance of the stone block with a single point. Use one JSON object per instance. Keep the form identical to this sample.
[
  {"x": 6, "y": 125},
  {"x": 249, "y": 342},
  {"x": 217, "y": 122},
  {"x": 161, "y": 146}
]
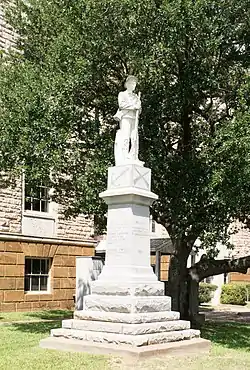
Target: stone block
[
  {"x": 13, "y": 295},
  {"x": 127, "y": 304},
  {"x": 2, "y": 270},
  {"x": 71, "y": 272},
  {"x": 30, "y": 297},
  {"x": 14, "y": 270},
  {"x": 38, "y": 305},
  {"x": 63, "y": 249},
  {"x": 8, "y": 283},
  {"x": 13, "y": 246},
  {"x": 130, "y": 175},
  {"x": 88, "y": 251},
  {"x": 24, "y": 306},
  {"x": 44, "y": 250},
  {"x": 19, "y": 284},
  {"x": 59, "y": 294},
  {"x": 20, "y": 259},
  {"x": 52, "y": 251},
  {"x": 67, "y": 283},
  {"x": 127, "y": 289},
  {"x": 129, "y": 329},
  {"x": 135, "y": 318},
  {"x": 8, "y": 307},
  {"x": 53, "y": 304},
  {"x": 60, "y": 271},
  {"x": 56, "y": 283},
  {"x": 123, "y": 339},
  {"x": 1, "y": 246},
  {"x": 66, "y": 304},
  {"x": 7, "y": 258},
  {"x": 45, "y": 297},
  {"x": 194, "y": 346},
  {"x": 69, "y": 261}
]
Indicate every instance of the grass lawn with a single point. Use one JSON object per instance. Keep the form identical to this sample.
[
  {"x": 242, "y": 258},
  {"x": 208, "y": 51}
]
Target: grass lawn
[
  {"x": 19, "y": 348},
  {"x": 35, "y": 316}
]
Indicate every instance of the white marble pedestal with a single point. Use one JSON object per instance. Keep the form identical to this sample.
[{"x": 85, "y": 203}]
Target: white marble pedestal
[{"x": 127, "y": 312}]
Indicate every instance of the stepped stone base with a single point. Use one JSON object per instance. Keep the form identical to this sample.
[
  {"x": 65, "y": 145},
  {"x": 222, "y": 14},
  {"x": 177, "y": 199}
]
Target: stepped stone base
[
  {"x": 121, "y": 339},
  {"x": 131, "y": 329},
  {"x": 187, "y": 347},
  {"x": 130, "y": 325}
]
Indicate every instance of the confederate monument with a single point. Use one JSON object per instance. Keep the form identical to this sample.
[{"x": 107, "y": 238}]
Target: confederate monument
[
  {"x": 127, "y": 312},
  {"x": 127, "y": 140}
]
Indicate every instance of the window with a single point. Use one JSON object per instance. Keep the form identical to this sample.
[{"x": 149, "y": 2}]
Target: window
[
  {"x": 153, "y": 226},
  {"x": 36, "y": 197},
  {"x": 36, "y": 274}
]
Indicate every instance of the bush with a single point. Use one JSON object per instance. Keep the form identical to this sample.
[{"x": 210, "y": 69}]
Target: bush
[
  {"x": 234, "y": 294},
  {"x": 248, "y": 292},
  {"x": 205, "y": 292}
]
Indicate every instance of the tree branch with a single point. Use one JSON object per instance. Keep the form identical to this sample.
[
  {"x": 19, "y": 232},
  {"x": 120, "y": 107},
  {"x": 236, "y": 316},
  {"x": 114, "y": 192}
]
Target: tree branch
[{"x": 209, "y": 267}]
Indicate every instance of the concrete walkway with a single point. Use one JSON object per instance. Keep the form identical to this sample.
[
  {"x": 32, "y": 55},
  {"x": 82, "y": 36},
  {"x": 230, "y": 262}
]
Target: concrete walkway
[{"x": 227, "y": 313}]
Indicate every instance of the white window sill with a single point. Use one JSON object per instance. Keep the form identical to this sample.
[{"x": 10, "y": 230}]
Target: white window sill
[
  {"x": 37, "y": 292},
  {"x": 36, "y": 214}
]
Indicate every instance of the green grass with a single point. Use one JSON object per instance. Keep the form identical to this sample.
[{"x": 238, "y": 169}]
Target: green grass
[
  {"x": 35, "y": 316},
  {"x": 19, "y": 348}
]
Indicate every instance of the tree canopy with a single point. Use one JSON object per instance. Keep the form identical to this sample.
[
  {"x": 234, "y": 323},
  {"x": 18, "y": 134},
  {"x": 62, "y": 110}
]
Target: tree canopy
[{"x": 58, "y": 95}]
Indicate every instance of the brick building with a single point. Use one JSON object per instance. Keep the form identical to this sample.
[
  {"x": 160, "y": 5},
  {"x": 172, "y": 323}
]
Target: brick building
[
  {"x": 38, "y": 246},
  {"x": 38, "y": 250}
]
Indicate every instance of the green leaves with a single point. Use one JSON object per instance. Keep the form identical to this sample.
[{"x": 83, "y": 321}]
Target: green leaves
[{"x": 58, "y": 96}]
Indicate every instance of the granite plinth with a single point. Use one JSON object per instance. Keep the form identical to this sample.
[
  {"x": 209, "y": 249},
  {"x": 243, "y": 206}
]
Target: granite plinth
[
  {"x": 127, "y": 304},
  {"x": 152, "y": 288}
]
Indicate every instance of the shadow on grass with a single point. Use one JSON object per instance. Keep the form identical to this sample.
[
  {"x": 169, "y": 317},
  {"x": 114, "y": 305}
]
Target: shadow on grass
[
  {"x": 228, "y": 334},
  {"x": 37, "y": 327},
  {"x": 51, "y": 314}
]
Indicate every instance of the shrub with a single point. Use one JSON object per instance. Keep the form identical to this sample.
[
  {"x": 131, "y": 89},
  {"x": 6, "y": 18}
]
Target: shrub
[
  {"x": 248, "y": 292},
  {"x": 205, "y": 292},
  {"x": 234, "y": 294}
]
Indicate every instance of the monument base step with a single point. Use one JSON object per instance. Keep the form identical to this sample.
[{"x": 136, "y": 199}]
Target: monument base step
[
  {"x": 126, "y": 339},
  {"x": 187, "y": 347},
  {"x": 127, "y": 329},
  {"x": 127, "y": 318}
]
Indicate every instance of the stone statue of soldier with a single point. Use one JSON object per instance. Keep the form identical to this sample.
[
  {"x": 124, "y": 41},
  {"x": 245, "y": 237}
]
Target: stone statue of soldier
[{"x": 127, "y": 141}]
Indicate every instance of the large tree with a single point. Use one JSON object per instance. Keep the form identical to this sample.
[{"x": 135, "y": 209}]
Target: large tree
[{"x": 58, "y": 95}]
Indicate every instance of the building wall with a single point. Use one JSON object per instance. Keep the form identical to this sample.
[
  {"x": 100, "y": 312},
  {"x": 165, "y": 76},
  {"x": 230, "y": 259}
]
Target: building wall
[
  {"x": 164, "y": 266},
  {"x": 7, "y": 35},
  {"x": 235, "y": 277},
  {"x": 79, "y": 227},
  {"x": 62, "y": 273},
  {"x": 14, "y": 219},
  {"x": 11, "y": 209}
]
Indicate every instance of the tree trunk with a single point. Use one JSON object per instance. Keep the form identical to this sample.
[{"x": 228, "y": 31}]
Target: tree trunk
[
  {"x": 183, "y": 282},
  {"x": 177, "y": 281}
]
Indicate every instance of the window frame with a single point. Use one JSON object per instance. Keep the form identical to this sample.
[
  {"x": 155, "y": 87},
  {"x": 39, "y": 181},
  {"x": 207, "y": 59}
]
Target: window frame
[
  {"x": 39, "y": 275},
  {"x": 43, "y": 200}
]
